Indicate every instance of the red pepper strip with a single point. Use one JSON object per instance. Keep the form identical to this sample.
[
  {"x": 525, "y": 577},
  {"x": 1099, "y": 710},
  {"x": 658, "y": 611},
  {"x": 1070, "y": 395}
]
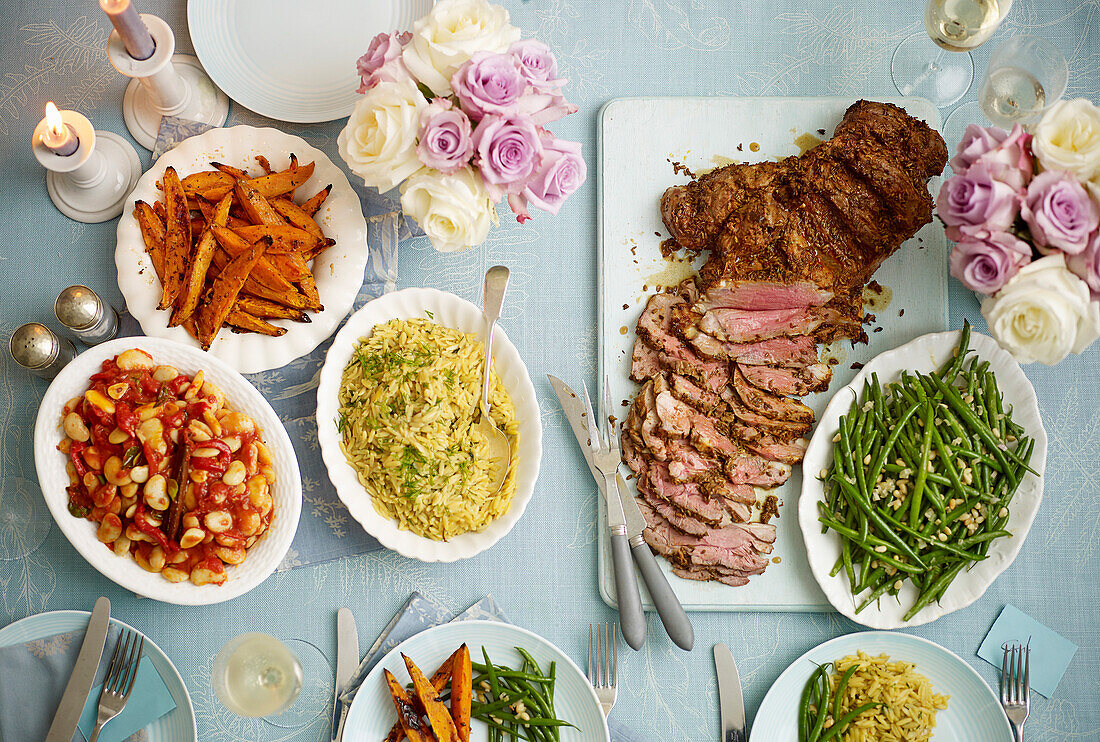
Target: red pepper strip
[
  {"x": 126, "y": 418},
  {"x": 145, "y": 527},
  {"x": 74, "y": 455},
  {"x": 217, "y": 463}
]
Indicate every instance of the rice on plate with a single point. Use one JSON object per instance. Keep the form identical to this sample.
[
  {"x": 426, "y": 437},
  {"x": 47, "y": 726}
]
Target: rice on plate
[
  {"x": 407, "y": 405},
  {"x": 909, "y": 702}
]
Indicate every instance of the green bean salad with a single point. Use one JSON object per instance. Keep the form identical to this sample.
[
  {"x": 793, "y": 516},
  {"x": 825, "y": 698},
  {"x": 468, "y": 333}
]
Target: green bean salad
[{"x": 923, "y": 473}]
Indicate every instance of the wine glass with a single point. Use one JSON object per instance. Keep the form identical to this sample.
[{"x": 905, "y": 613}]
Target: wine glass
[
  {"x": 22, "y": 528},
  {"x": 288, "y": 683},
  {"x": 1026, "y": 76},
  {"x": 921, "y": 64}
]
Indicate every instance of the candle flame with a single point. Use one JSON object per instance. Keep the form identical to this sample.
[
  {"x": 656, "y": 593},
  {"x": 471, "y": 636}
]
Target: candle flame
[
  {"x": 53, "y": 119},
  {"x": 114, "y": 6}
]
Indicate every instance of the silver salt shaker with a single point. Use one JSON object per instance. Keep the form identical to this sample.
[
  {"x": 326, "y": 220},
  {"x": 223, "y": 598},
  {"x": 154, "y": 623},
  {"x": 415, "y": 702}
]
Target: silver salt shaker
[
  {"x": 36, "y": 348},
  {"x": 91, "y": 319}
]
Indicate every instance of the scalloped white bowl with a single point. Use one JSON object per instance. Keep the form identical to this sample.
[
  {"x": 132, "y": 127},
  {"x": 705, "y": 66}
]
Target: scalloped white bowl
[
  {"x": 338, "y": 270},
  {"x": 924, "y": 354},
  {"x": 267, "y": 552},
  {"x": 450, "y": 311}
]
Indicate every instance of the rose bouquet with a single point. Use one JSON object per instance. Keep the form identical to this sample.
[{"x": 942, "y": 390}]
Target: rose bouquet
[
  {"x": 454, "y": 113},
  {"x": 1022, "y": 209}
]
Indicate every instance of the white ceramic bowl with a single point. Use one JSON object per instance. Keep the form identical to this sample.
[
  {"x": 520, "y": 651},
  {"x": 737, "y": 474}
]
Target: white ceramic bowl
[
  {"x": 338, "y": 270},
  {"x": 450, "y": 311},
  {"x": 267, "y": 552},
  {"x": 924, "y": 354}
]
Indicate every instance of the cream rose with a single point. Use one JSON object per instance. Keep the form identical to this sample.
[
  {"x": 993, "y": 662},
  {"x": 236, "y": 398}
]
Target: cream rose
[
  {"x": 1044, "y": 313},
  {"x": 453, "y": 210},
  {"x": 449, "y": 35},
  {"x": 379, "y": 141},
  {"x": 1068, "y": 138}
]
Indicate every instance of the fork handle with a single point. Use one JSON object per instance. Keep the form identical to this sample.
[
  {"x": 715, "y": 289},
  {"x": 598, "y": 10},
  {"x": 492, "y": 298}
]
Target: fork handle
[{"x": 631, "y": 617}]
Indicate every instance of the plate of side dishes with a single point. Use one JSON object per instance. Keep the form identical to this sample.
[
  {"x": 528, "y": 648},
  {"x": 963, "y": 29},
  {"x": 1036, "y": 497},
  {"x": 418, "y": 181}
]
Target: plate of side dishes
[{"x": 237, "y": 519}]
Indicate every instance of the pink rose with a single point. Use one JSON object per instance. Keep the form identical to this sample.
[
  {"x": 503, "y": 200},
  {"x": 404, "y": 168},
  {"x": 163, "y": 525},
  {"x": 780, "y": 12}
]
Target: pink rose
[
  {"x": 536, "y": 63},
  {"x": 976, "y": 200},
  {"x": 1086, "y": 264},
  {"x": 985, "y": 261},
  {"x": 509, "y": 153},
  {"x": 1011, "y": 161},
  {"x": 445, "y": 138},
  {"x": 1059, "y": 212},
  {"x": 382, "y": 62},
  {"x": 976, "y": 141},
  {"x": 489, "y": 84},
  {"x": 563, "y": 171}
]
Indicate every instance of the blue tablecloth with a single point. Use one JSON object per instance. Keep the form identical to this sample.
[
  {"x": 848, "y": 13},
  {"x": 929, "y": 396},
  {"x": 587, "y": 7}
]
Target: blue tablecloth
[{"x": 543, "y": 573}]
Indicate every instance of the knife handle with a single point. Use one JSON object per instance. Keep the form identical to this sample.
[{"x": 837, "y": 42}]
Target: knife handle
[
  {"x": 676, "y": 621},
  {"x": 631, "y": 617}
]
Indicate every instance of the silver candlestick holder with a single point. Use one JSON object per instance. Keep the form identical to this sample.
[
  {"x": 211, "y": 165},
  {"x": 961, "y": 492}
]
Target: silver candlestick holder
[
  {"x": 165, "y": 84},
  {"x": 91, "y": 184}
]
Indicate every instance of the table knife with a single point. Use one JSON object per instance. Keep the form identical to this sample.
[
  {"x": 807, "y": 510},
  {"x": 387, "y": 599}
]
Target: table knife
[
  {"x": 675, "y": 620},
  {"x": 731, "y": 702},
  {"x": 80, "y": 682},
  {"x": 347, "y": 659}
]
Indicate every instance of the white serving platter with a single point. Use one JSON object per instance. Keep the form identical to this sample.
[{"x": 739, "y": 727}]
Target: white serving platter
[
  {"x": 923, "y": 355},
  {"x": 640, "y": 139}
]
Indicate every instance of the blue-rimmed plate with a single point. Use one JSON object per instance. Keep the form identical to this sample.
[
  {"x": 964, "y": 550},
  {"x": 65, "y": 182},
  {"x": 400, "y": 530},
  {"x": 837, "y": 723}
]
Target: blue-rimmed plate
[
  {"x": 372, "y": 713},
  {"x": 973, "y": 713},
  {"x": 291, "y": 60},
  {"x": 178, "y": 725}
]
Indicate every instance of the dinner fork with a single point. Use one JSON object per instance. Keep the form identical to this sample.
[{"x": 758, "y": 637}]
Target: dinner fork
[
  {"x": 605, "y": 454},
  {"x": 606, "y": 675},
  {"x": 1016, "y": 686},
  {"x": 120, "y": 679}
]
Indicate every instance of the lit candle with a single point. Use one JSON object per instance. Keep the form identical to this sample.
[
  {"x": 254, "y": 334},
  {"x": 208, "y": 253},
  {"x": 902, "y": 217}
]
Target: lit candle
[
  {"x": 59, "y": 137},
  {"x": 136, "y": 37}
]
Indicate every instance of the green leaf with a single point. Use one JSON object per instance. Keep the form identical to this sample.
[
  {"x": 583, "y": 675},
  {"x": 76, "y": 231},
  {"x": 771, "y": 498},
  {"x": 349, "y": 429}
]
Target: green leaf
[{"x": 425, "y": 90}]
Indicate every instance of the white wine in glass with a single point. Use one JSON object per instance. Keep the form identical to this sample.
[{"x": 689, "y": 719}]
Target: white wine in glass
[
  {"x": 937, "y": 65},
  {"x": 1026, "y": 75},
  {"x": 961, "y": 25},
  {"x": 257, "y": 675}
]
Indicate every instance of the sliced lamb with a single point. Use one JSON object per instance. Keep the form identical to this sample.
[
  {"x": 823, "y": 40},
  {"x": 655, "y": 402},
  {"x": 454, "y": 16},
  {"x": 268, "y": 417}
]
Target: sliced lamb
[
  {"x": 747, "y": 326},
  {"x": 686, "y": 464},
  {"x": 687, "y": 497},
  {"x": 684, "y": 389},
  {"x": 651, "y": 424},
  {"x": 771, "y": 448},
  {"x": 750, "y": 468},
  {"x": 709, "y": 575},
  {"x": 757, "y": 295},
  {"x": 645, "y": 361},
  {"x": 683, "y": 420},
  {"x": 738, "y": 412},
  {"x": 680, "y": 520},
  {"x": 771, "y": 405},
  {"x": 791, "y": 381},
  {"x": 795, "y": 351}
]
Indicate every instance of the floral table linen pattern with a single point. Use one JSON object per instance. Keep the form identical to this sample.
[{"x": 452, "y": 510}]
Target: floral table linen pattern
[{"x": 543, "y": 574}]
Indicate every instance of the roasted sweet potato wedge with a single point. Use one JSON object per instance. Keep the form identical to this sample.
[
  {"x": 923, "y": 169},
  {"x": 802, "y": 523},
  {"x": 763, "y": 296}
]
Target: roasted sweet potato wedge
[
  {"x": 177, "y": 241},
  {"x": 285, "y": 238},
  {"x": 200, "y": 263},
  {"x": 461, "y": 692},
  {"x": 298, "y": 217},
  {"x": 439, "y": 717},
  {"x": 440, "y": 679},
  {"x": 212, "y": 185},
  {"x": 408, "y": 715},
  {"x": 245, "y": 321},
  {"x": 152, "y": 233},
  {"x": 265, "y": 309},
  {"x": 312, "y": 205},
  {"x": 226, "y": 287},
  {"x": 282, "y": 182}
]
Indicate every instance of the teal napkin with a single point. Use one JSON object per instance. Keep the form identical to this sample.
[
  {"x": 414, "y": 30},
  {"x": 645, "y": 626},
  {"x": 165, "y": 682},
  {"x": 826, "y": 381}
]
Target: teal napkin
[
  {"x": 43, "y": 667},
  {"x": 1050, "y": 652}
]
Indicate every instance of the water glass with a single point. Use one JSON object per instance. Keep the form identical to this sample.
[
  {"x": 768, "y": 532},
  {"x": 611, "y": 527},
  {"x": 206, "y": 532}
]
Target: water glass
[{"x": 1026, "y": 76}]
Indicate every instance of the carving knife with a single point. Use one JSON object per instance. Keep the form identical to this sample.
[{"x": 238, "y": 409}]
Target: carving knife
[
  {"x": 675, "y": 620},
  {"x": 732, "y": 704},
  {"x": 80, "y": 682},
  {"x": 347, "y": 659}
]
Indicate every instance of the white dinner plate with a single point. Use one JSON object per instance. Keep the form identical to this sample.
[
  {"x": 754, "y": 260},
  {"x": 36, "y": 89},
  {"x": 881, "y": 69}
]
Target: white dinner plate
[
  {"x": 291, "y": 60},
  {"x": 924, "y": 354},
  {"x": 264, "y": 556},
  {"x": 338, "y": 270},
  {"x": 972, "y": 714},
  {"x": 372, "y": 713},
  {"x": 450, "y": 311},
  {"x": 178, "y": 725}
]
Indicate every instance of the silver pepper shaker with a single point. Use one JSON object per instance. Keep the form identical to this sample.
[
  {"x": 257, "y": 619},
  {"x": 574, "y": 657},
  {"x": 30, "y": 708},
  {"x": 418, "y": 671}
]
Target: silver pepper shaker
[
  {"x": 36, "y": 348},
  {"x": 91, "y": 319}
]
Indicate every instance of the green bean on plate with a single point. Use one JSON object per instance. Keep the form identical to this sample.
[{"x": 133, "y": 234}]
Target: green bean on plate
[{"x": 920, "y": 482}]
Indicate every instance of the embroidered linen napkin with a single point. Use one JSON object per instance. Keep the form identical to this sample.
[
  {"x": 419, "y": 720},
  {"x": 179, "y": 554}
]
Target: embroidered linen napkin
[
  {"x": 421, "y": 613},
  {"x": 43, "y": 667}
]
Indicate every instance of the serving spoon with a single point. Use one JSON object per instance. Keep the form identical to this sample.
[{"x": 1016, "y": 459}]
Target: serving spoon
[{"x": 496, "y": 283}]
